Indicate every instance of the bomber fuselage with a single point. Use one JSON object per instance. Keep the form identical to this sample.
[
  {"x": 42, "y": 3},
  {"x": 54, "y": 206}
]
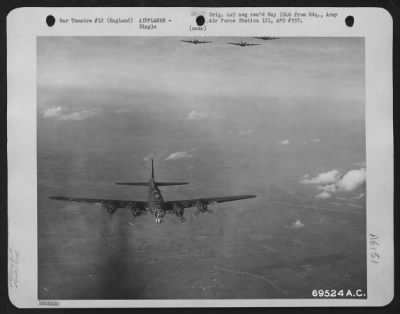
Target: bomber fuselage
[{"x": 155, "y": 201}]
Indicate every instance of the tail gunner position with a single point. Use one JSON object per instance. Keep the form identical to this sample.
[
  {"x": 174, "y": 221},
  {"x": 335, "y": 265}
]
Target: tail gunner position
[{"x": 155, "y": 203}]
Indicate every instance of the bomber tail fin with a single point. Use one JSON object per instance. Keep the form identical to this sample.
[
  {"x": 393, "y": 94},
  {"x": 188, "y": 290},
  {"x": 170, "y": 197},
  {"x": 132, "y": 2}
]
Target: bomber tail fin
[
  {"x": 152, "y": 168},
  {"x": 152, "y": 177},
  {"x": 147, "y": 183}
]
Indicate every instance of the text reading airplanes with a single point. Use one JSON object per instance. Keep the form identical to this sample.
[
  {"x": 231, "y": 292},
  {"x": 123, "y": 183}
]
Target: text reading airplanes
[{"x": 155, "y": 203}]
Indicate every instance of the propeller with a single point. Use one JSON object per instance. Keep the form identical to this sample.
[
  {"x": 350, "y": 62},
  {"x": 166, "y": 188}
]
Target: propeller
[{"x": 197, "y": 212}]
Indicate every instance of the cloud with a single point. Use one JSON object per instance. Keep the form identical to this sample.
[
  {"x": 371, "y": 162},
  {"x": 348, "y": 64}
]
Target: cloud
[
  {"x": 322, "y": 178},
  {"x": 352, "y": 180},
  {"x": 59, "y": 114},
  {"x": 52, "y": 112},
  {"x": 284, "y": 142},
  {"x": 333, "y": 181},
  {"x": 330, "y": 188},
  {"x": 297, "y": 224},
  {"x": 178, "y": 155},
  {"x": 78, "y": 115},
  {"x": 323, "y": 195},
  {"x": 246, "y": 132},
  {"x": 200, "y": 115}
]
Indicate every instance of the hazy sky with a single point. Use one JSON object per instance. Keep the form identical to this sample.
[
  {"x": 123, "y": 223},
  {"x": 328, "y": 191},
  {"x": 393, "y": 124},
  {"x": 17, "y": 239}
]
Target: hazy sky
[
  {"x": 142, "y": 72},
  {"x": 138, "y": 96},
  {"x": 283, "y": 120}
]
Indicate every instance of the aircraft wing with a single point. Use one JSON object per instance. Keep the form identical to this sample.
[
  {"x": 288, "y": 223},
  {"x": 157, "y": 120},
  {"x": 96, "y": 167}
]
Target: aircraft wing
[
  {"x": 99, "y": 201},
  {"x": 208, "y": 200},
  {"x": 187, "y": 41},
  {"x": 204, "y": 42},
  {"x": 236, "y": 44},
  {"x": 253, "y": 44}
]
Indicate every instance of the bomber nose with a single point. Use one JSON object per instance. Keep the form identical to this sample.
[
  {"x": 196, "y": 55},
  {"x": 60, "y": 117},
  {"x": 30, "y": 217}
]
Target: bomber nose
[{"x": 158, "y": 215}]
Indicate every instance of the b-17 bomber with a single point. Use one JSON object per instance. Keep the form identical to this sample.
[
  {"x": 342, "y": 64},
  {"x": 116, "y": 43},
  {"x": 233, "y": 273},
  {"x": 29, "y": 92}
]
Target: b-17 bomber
[
  {"x": 267, "y": 38},
  {"x": 196, "y": 41},
  {"x": 243, "y": 44},
  {"x": 155, "y": 204}
]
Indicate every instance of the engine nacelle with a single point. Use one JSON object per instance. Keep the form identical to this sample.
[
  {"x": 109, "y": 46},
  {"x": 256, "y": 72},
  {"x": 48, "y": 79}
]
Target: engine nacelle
[
  {"x": 111, "y": 208},
  {"x": 136, "y": 211},
  {"x": 202, "y": 206}
]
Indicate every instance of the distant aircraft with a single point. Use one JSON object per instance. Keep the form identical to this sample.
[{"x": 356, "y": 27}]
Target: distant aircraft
[
  {"x": 155, "y": 203},
  {"x": 196, "y": 41},
  {"x": 243, "y": 44},
  {"x": 267, "y": 38}
]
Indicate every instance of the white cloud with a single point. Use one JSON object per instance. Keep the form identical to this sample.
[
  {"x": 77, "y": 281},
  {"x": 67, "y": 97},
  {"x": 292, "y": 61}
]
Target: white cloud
[
  {"x": 322, "y": 178},
  {"x": 323, "y": 195},
  {"x": 330, "y": 188},
  {"x": 352, "y": 180},
  {"x": 52, "y": 112},
  {"x": 297, "y": 224},
  {"x": 200, "y": 115},
  {"x": 178, "y": 155},
  {"x": 333, "y": 181},
  {"x": 284, "y": 142},
  {"x": 246, "y": 132},
  {"x": 59, "y": 114},
  {"x": 78, "y": 115}
]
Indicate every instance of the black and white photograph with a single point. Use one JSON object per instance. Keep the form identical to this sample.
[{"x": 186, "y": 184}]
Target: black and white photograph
[
  {"x": 213, "y": 168},
  {"x": 200, "y": 157}
]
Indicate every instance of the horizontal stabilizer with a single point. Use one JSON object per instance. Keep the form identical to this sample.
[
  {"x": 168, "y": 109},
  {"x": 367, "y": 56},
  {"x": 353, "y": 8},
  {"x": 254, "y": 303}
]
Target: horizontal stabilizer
[
  {"x": 133, "y": 183},
  {"x": 170, "y": 183}
]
